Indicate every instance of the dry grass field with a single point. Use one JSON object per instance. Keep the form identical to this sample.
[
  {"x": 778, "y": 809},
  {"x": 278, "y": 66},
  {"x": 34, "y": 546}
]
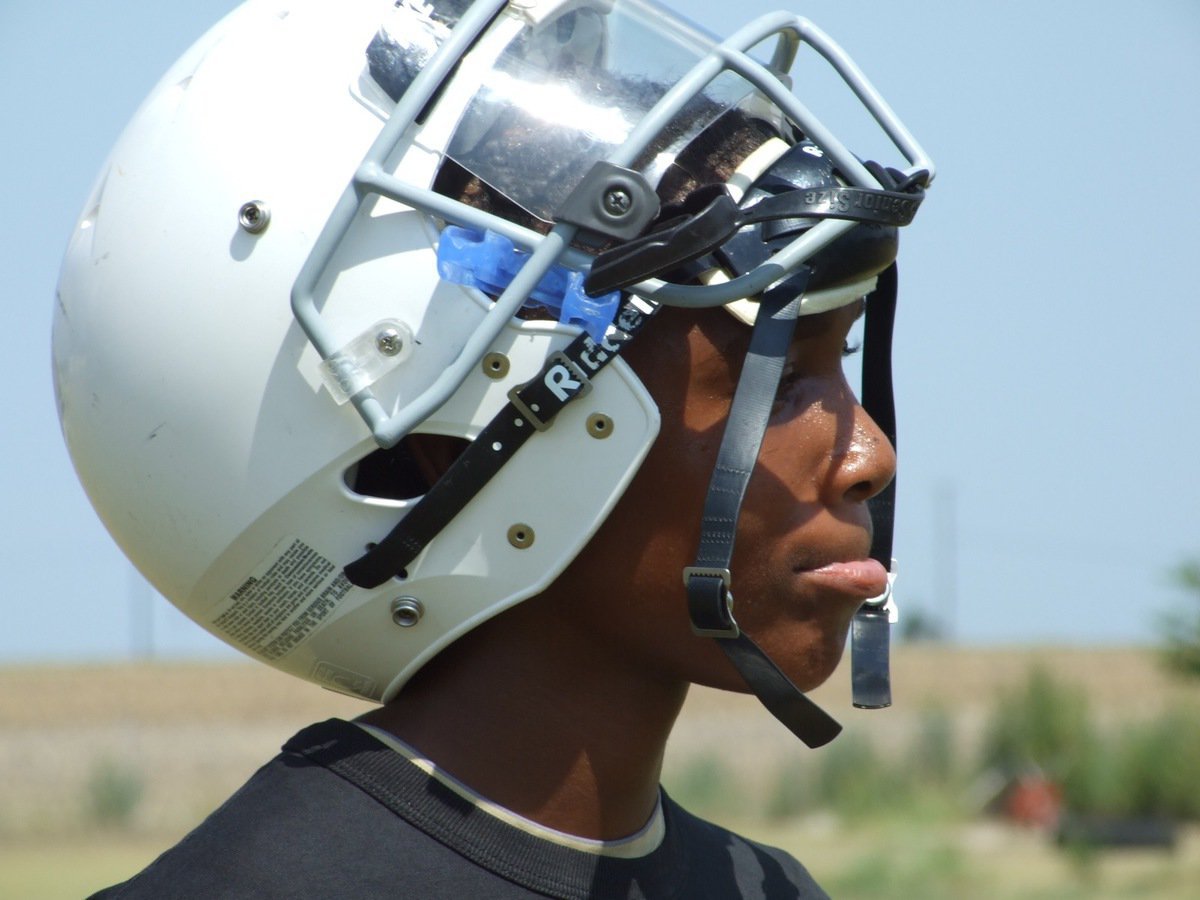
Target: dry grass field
[{"x": 163, "y": 743}]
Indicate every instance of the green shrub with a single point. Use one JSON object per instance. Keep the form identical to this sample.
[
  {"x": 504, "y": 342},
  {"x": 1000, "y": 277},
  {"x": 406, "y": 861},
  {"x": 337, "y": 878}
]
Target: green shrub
[
  {"x": 1180, "y": 628},
  {"x": 930, "y": 867},
  {"x": 1095, "y": 783},
  {"x": 1159, "y": 768},
  {"x": 1148, "y": 769},
  {"x": 792, "y": 792},
  {"x": 854, "y": 779},
  {"x": 113, "y": 792},
  {"x": 1042, "y": 726},
  {"x": 933, "y": 757},
  {"x": 1143, "y": 769},
  {"x": 707, "y": 786}
]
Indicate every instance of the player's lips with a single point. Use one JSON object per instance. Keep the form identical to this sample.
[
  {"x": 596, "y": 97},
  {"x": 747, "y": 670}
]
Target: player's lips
[{"x": 862, "y": 578}]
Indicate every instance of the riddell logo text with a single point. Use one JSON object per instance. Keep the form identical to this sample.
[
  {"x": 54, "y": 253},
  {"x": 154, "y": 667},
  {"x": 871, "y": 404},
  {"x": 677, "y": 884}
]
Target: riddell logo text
[
  {"x": 561, "y": 382},
  {"x": 564, "y": 378}
]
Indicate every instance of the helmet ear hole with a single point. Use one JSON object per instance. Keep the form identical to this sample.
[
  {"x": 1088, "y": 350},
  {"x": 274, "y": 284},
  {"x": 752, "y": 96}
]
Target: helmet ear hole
[{"x": 407, "y": 470}]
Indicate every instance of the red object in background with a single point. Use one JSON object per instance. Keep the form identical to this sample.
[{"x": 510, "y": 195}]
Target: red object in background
[{"x": 1034, "y": 800}]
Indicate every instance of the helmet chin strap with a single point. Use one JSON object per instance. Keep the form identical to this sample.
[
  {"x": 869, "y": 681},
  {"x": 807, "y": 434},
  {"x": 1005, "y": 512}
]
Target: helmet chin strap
[
  {"x": 709, "y": 583},
  {"x": 710, "y": 598},
  {"x": 870, "y": 632}
]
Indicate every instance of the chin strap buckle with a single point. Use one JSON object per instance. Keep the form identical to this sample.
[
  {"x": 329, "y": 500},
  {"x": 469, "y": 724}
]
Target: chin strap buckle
[{"x": 710, "y": 602}]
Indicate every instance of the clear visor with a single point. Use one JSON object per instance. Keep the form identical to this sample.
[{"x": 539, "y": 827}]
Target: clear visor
[{"x": 564, "y": 93}]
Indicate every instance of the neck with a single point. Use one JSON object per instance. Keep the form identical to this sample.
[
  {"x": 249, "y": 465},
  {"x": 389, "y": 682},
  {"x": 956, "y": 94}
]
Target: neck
[{"x": 529, "y": 712}]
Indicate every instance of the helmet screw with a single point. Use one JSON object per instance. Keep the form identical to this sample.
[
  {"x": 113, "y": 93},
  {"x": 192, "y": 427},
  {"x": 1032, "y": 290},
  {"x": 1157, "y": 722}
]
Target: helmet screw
[
  {"x": 254, "y": 217},
  {"x": 495, "y": 365},
  {"x": 520, "y": 536},
  {"x": 599, "y": 426},
  {"x": 389, "y": 342},
  {"x": 617, "y": 202},
  {"x": 407, "y": 611}
]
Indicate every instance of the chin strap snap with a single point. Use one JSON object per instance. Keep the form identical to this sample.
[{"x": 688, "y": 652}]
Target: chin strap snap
[{"x": 870, "y": 650}]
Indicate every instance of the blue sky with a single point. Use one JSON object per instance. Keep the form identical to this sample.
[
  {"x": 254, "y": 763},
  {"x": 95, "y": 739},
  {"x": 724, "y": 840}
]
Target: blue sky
[{"x": 1047, "y": 367}]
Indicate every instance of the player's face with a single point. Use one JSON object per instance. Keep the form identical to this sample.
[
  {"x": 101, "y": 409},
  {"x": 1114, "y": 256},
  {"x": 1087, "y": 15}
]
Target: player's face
[{"x": 799, "y": 569}]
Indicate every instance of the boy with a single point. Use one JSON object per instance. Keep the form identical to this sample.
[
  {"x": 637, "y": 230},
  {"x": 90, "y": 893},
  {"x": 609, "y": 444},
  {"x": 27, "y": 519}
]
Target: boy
[{"x": 577, "y": 323}]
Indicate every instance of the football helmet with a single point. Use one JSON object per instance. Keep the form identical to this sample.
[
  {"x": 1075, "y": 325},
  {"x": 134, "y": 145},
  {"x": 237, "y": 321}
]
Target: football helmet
[{"x": 277, "y": 279}]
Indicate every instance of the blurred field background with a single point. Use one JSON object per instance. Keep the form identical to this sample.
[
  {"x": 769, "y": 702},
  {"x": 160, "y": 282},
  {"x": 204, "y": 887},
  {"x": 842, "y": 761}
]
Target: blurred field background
[{"x": 105, "y": 766}]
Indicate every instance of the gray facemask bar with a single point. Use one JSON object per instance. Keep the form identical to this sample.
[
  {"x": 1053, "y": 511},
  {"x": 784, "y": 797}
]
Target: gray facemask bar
[{"x": 371, "y": 178}]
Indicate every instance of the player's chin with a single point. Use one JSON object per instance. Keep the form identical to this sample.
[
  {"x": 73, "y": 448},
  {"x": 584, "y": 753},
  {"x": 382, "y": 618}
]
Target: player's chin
[{"x": 807, "y": 652}]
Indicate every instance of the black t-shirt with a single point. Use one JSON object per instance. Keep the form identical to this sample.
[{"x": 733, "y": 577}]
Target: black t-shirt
[{"x": 339, "y": 814}]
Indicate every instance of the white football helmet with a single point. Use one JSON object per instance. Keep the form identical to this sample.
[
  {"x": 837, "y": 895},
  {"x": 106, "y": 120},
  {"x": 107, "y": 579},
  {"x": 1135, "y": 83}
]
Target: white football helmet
[{"x": 252, "y": 313}]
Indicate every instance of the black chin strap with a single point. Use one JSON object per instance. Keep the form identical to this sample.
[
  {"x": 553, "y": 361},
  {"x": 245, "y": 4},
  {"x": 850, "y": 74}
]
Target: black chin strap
[
  {"x": 565, "y": 376},
  {"x": 870, "y": 632},
  {"x": 710, "y": 599}
]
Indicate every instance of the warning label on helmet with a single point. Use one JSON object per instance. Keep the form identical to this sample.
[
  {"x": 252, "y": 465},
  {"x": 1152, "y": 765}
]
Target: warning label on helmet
[{"x": 282, "y": 601}]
